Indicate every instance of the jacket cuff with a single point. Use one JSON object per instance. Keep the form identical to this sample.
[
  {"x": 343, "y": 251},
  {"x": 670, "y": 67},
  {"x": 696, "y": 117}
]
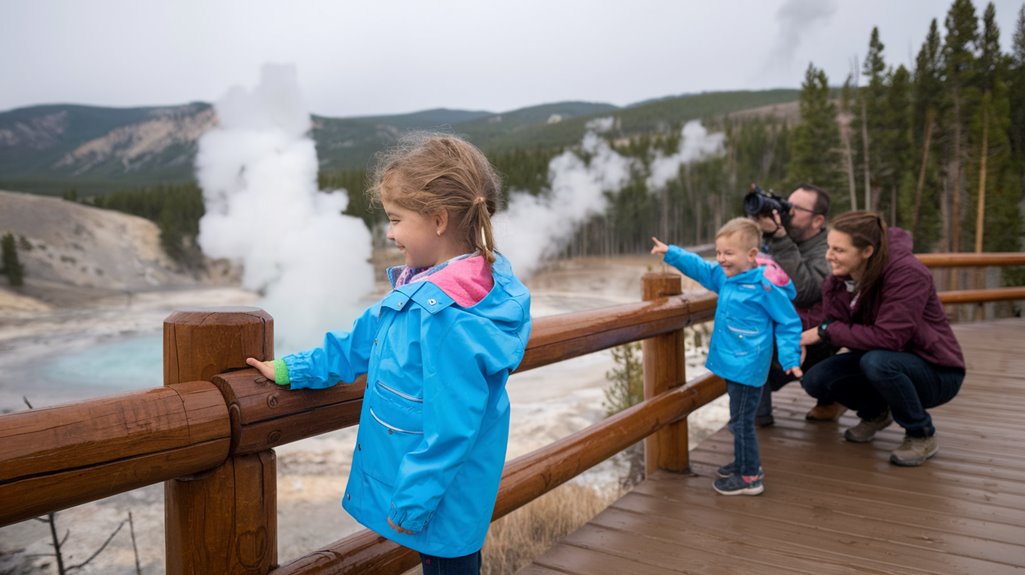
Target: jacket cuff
[
  {"x": 401, "y": 518},
  {"x": 280, "y": 372}
]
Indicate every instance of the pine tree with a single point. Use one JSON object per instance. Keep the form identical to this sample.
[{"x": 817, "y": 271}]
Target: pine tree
[
  {"x": 815, "y": 141},
  {"x": 959, "y": 54},
  {"x": 871, "y": 119},
  {"x": 894, "y": 145},
  {"x": 927, "y": 104},
  {"x": 12, "y": 265},
  {"x": 1016, "y": 93},
  {"x": 846, "y": 116},
  {"x": 994, "y": 188}
]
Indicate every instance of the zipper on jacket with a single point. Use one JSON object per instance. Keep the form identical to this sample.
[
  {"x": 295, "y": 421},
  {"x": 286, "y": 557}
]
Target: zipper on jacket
[
  {"x": 400, "y": 394},
  {"x": 392, "y": 427}
]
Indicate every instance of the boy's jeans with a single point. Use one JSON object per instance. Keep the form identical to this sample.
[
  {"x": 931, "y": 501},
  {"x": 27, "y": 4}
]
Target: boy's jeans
[{"x": 743, "y": 404}]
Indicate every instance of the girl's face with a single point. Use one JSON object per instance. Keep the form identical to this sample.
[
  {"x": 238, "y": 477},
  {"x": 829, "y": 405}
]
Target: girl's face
[
  {"x": 844, "y": 257},
  {"x": 733, "y": 258},
  {"x": 416, "y": 235}
]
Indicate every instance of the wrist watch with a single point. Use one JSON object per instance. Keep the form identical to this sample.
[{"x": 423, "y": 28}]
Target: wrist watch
[{"x": 823, "y": 327}]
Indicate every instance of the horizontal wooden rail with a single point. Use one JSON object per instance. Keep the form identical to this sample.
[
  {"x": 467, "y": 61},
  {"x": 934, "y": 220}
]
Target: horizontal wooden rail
[
  {"x": 561, "y": 337},
  {"x": 982, "y": 295},
  {"x": 966, "y": 260},
  {"x": 57, "y": 457},
  {"x": 183, "y": 429}
]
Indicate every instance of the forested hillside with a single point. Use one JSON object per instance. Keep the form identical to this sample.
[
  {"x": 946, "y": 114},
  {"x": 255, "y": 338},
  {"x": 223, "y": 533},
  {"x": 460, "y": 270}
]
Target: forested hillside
[{"x": 938, "y": 148}]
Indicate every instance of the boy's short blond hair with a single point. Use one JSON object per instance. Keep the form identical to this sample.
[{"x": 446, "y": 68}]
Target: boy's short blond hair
[{"x": 747, "y": 232}]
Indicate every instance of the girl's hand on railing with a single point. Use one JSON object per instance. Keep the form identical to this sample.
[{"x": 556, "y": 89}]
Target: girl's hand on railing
[{"x": 266, "y": 368}]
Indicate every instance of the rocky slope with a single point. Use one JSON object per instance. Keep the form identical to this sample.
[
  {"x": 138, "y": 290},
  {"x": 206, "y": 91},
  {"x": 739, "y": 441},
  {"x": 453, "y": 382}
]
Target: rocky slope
[{"x": 72, "y": 253}]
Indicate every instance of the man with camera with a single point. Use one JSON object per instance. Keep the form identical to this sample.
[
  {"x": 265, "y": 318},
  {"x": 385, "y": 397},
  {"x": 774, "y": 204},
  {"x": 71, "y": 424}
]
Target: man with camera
[{"x": 795, "y": 236}]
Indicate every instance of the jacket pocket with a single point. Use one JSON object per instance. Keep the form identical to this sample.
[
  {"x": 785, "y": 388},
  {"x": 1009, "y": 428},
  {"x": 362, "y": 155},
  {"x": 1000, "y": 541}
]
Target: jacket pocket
[
  {"x": 395, "y": 428},
  {"x": 742, "y": 341}
]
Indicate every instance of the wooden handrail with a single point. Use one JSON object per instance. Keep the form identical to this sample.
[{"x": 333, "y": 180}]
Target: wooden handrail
[
  {"x": 57, "y": 457},
  {"x": 212, "y": 429},
  {"x": 969, "y": 260}
]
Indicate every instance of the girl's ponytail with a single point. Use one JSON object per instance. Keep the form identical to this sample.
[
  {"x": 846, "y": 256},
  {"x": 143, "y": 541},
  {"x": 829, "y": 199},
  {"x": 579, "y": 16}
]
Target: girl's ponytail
[{"x": 479, "y": 225}]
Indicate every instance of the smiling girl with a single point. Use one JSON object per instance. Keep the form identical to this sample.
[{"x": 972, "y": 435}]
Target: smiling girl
[{"x": 437, "y": 351}]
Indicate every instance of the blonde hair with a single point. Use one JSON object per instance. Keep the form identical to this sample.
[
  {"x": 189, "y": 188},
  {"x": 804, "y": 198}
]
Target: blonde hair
[
  {"x": 747, "y": 232},
  {"x": 428, "y": 172}
]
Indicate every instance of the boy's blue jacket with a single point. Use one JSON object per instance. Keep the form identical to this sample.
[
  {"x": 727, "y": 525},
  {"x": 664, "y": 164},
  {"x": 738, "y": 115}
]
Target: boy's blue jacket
[
  {"x": 435, "y": 418},
  {"x": 751, "y": 308}
]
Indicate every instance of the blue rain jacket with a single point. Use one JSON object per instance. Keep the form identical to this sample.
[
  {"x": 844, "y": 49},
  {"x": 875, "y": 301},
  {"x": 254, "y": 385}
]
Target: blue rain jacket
[
  {"x": 434, "y": 424},
  {"x": 751, "y": 308}
]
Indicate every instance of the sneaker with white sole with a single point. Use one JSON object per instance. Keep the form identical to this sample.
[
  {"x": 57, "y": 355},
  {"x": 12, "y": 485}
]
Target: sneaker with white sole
[
  {"x": 914, "y": 451},
  {"x": 866, "y": 429},
  {"x": 735, "y": 485}
]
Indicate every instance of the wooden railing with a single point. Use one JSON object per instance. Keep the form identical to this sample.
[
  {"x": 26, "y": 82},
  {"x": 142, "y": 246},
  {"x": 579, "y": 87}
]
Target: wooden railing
[{"x": 209, "y": 433}]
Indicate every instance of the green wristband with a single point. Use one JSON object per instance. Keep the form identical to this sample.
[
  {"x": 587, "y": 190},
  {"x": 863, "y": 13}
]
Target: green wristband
[{"x": 280, "y": 372}]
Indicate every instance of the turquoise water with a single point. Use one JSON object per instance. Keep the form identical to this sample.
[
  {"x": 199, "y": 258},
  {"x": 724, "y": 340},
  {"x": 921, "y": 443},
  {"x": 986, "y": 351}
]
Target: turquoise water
[{"x": 124, "y": 364}]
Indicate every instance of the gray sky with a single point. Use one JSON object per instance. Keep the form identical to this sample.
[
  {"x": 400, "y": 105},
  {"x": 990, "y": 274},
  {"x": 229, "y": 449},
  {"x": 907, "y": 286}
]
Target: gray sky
[{"x": 361, "y": 57}]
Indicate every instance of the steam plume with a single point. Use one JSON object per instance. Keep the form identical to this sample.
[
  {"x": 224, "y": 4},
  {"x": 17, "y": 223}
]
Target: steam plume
[
  {"x": 258, "y": 171},
  {"x": 536, "y": 228}
]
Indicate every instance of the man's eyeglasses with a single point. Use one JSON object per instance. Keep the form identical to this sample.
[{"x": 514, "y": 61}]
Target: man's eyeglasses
[{"x": 800, "y": 209}]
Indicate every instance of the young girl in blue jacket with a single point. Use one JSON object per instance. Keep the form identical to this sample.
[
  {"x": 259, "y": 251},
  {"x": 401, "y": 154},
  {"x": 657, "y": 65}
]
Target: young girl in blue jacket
[
  {"x": 754, "y": 304},
  {"x": 437, "y": 351}
]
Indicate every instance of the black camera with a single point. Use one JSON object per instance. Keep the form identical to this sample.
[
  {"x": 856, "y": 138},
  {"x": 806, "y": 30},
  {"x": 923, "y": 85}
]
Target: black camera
[{"x": 757, "y": 202}]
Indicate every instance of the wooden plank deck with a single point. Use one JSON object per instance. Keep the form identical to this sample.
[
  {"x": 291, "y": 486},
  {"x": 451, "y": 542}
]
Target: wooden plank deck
[{"x": 831, "y": 506}]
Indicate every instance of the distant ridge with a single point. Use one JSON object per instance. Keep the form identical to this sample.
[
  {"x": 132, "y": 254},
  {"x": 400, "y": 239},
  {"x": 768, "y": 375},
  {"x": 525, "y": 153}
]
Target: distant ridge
[{"x": 55, "y": 148}]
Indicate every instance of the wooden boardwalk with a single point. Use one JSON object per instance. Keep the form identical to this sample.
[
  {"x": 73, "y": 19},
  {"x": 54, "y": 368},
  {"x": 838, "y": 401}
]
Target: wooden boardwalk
[{"x": 831, "y": 506}]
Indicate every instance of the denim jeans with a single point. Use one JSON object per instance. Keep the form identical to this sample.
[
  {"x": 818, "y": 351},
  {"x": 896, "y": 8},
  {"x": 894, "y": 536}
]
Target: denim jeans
[
  {"x": 743, "y": 403},
  {"x": 465, "y": 565},
  {"x": 870, "y": 382},
  {"x": 778, "y": 378}
]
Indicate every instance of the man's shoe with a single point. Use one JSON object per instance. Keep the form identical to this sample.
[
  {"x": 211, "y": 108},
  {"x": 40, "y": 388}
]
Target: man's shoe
[
  {"x": 828, "y": 412},
  {"x": 764, "y": 420},
  {"x": 866, "y": 429},
  {"x": 731, "y": 469},
  {"x": 914, "y": 451},
  {"x": 735, "y": 485}
]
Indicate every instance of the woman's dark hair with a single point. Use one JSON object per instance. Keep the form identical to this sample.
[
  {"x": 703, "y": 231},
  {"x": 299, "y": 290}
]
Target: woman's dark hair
[{"x": 867, "y": 229}]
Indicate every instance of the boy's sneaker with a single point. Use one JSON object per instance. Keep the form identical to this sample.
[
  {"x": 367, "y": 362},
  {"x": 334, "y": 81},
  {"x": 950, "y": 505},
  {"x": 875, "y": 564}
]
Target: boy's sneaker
[
  {"x": 866, "y": 429},
  {"x": 735, "y": 485},
  {"x": 914, "y": 451},
  {"x": 731, "y": 469}
]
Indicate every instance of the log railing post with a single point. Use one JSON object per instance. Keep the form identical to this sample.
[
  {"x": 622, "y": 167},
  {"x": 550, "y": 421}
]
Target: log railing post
[
  {"x": 664, "y": 368},
  {"x": 223, "y": 520}
]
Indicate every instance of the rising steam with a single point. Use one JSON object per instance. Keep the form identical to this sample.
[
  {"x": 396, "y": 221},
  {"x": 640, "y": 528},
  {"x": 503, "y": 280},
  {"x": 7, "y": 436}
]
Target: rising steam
[{"x": 258, "y": 171}]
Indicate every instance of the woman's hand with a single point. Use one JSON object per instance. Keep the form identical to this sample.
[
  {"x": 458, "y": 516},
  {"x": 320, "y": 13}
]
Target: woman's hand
[
  {"x": 810, "y": 337},
  {"x": 266, "y": 368},
  {"x": 660, "y": 248}
]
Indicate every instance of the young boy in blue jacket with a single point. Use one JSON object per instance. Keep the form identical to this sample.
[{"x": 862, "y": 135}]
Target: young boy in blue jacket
[{"x": 754, "y": 304}]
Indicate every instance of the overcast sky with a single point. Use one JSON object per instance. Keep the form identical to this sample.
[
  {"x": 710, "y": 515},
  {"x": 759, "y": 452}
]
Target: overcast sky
[{"x": 363, "y": 57}]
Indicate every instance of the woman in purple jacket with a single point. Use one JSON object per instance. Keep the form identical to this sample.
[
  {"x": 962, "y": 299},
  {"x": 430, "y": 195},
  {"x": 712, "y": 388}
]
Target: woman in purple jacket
[{"x": 881, "y": 304}]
